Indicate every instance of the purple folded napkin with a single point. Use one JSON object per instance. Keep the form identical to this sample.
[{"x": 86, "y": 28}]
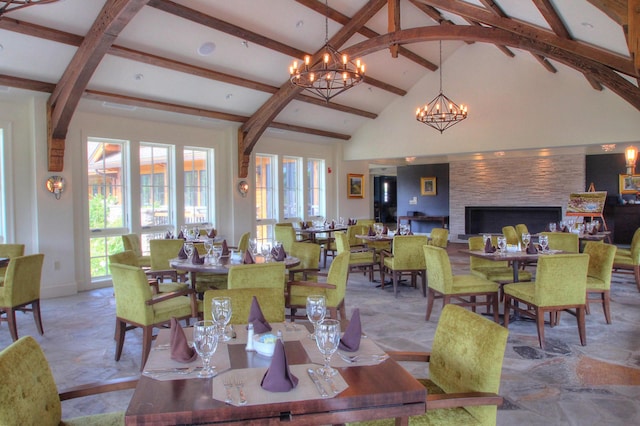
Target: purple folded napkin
[
  {"x": 180, "y": 349},
  {"x": 182, "y": 254},
  {"x": 531, "y": 249},
  {"x": 565, "y": 229},
  {"x": 181, "y": 235},
  {"x": 278, "y": 377},
  {"x": 594, "y": 230},
  {"x": 168, "y": 236},
  {"x": 280, "y": 255},
  {"x": 350, "y": 341},
  {"x": 195, "y": 257},
  {"x": 371, "y": 232},
  {"x": 225, "y": 248},
  {"x": 385, "y": 230},
  {"x": 213, "y": 233},
  {"x": 248, "y": 258},
  {"x": 333, "y": 224},
  {"x": 488, "y": 248},
  {"x": 260, "y": 325}
]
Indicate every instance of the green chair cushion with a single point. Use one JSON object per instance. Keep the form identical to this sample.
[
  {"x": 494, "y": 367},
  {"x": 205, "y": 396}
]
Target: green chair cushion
[
  {"x": 472, "y": 284},
  {"x": 522, "y": 291},
  {"x": 499, "y": 273},
  {"x": 106, "y": 419}
]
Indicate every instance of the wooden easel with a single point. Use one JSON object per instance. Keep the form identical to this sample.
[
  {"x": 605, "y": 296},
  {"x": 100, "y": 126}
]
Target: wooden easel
[{"x": 592, "y": 215}]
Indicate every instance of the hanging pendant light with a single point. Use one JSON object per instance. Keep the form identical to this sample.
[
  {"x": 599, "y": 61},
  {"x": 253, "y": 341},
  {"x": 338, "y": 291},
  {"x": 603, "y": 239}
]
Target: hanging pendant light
[
  {"x": 335, "y": 75},
  {"x": 441, "y": 113}
]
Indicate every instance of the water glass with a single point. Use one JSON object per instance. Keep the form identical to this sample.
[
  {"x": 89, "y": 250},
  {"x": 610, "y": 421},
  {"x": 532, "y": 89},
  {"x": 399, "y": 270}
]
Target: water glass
[
  {"x": 327, "y": 340},
  {"x": 552, "y": 227},
  {"x": 543, "y": 240},
  {"x": 526, "y": 239},
  {"x": 188, "y": 248},
  {"x": 205, "y": 342},
  {"x": 316, "y": 310},
  {"x": 502, "y": 244},
  {"x": 221, "y": 313}
]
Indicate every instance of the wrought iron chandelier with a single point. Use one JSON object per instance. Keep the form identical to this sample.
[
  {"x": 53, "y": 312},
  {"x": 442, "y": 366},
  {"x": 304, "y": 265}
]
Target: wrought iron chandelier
[
  {"x": 11, "y": 5},
  {"x": 333, "y": 76},
  {"x": 441, "y": 113}
]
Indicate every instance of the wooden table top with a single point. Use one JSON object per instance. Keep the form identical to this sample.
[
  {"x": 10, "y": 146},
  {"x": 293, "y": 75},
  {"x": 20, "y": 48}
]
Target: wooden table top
[
  {"x": 223, "y": 266},
  {"x": 375, "y": 392}
]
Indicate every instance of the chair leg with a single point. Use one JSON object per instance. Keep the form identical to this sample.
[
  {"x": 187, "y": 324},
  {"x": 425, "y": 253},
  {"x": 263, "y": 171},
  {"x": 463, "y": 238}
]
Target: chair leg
[
  {"x": 540, "y": 326},
  {"x": 35, "y": 306},
  {"x": 605, "y": 306},
  {"x": 582, "y": 331},
  {"x": 121, "y": 328},
  {"x": 430, "y": 299},
  {"x": 473, "y": 304},
  {"x": 382, "y": 270},
  {"x": 636, "y": 274},
  {"x": 396, "y": 278},
  {"x": 424, "y": 283},
  {"x": 496, "y": 313},
  {"x": 11, "y": 320},
  {"x": 507, "y": 309},
  {"x": 147, "y": 338}
]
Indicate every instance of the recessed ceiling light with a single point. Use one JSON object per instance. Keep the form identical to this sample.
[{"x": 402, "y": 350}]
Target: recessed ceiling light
[
  {"x": 207, "y": 48},
  {"x": 1, "y": 48},
  {"x": 139, "y": 76},
  {"x": 229, "y": 96},
  {"x": 300, "y": 24},
  {"x": 587, "y": 25},
  {"x": 245, "y": 43}
]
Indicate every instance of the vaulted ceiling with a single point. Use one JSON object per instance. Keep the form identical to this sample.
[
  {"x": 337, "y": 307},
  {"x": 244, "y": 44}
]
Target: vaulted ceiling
[{"x": 227, "y": 61}]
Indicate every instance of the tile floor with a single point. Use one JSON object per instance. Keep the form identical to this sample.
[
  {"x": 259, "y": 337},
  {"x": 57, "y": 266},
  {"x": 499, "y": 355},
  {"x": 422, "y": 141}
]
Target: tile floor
[{"x": 566, "y": 384}]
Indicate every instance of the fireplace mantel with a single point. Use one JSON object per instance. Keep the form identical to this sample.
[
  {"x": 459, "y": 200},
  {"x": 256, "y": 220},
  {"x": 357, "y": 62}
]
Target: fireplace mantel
[{"x": 491, "y": 219}]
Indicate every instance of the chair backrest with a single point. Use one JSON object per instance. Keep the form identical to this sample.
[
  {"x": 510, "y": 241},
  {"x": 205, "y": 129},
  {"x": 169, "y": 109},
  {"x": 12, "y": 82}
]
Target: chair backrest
[
  {"x": 286, "y": 235},
  {"x": 126, "y": 257},
  {"x": 568, "y": 242},
  {"x": 342, "y": 242},
  {"x": 439, "y": 275},
  {"x": 439, "y": 237},
  {"x": 601, "y": 257},
  {"x": 510, "y": 233},
  {"x": 162, "y": 251},
  {"x": 338, "y": 276},
  {"x": 29, "y": 394},
  {"x": 131, "y": 290},
  {"x": 365, "y": 222},
  {"x": 561, "y": 279},
  {"x": 271, "y": 302},
  {"x": 467, "y": 355},
  {"x": 10, "y": 250},
  {"x": 243, "y": 243},
  {"x": 132, "y": 242},
  {"x": 353, "y": 230},
  {"x": 521, "y": 228},
  {"x": 255, "y": 275},
  {"x": 22, "y": 279},
  {"x": 477, "y": 243},
  {"x": 407, "y": 251},
  {"x": 635, "y": 247}
]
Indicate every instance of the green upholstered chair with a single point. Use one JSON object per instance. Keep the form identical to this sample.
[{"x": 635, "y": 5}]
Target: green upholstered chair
[
  {"x": 9, "y": 250},
  {"x": 521, "y": 228},
  {"x": 309, "y": 255},
  {"x": 463, "y": 290},
  {"x": 257, "y": 275},
  {"x": 511, "y": 234},
  {"x": 136, "y": 306},
  {"x": 361, "y": 258},
  {"x": 406, "y": 257},
  {"x": 162, "y": 251},
  {"x": 271, "y": 302},
  {"x": 29, "y": 395},
  {"x": 465, "y": 365},
  {"x": 21, "y": 289},
  {"x": 333, "y": 288},
  {"x": 286, "y": 235},
  {"x": 352, "y": 231},
  {"x": 601, "y": 258},
  {"x": 499, "y": 272},
  {"x": 160, "y": 281},
  {"x": 629, "y": 259},
  {"x": 439, "y": 237},
  {"x": 560, "y": 284},
  {"x": 132, "y": 242},
  {"x": 365, "y": 222},
  {"x": 568, "y": 242},
  {"x": 207, "y": 280}
]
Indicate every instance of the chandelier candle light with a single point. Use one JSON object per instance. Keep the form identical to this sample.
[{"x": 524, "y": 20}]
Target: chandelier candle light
[
  {"x": 333, "y": 76},
  {"x": 441, "y": 113}
]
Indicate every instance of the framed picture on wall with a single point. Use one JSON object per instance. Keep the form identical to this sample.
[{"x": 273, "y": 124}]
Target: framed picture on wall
[
  {"x": 428, "y": 186},
  {"x": 355, "y": 185},
  {"x": 629, "y": 184}
]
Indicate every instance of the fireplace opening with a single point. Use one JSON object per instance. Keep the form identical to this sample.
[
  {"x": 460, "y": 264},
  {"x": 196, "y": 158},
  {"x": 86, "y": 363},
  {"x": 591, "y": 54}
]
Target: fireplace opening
[{"x": 491, "y": 219}]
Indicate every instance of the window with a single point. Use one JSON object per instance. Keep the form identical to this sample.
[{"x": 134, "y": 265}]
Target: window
[
  {"x": 266, "y": 201},
  {"x": 292, "y": 187},
  {"x": 316, "y": 207},
  {"x": 155, "y": 186},
  {"x": 3, "y": 195},
  {"x": 107, "y": 201},
  {"x": 196, "y": 186}
]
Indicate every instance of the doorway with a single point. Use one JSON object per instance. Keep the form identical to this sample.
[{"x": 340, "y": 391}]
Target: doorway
[{"x": 385, "y": 199}]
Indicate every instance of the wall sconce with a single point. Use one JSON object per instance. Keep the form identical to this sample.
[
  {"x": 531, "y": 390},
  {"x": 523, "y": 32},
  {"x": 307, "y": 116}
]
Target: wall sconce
[
  {"x": 630, "y": 155},
  {"x": 55, "y": 185},
  {"x": 243, "y": 187}
]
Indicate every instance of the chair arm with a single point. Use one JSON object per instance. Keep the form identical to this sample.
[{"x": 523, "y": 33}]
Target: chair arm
[
  {"x": 385, "y": 253},
  {"x": 410, "y": 356},
  {"x": 303, "y": 271},
  {"x": 308, "y": 284},
  {"x": 98, "y": 388},
  {"x": 167, "y": 296},
  {"x": 163, "y": 273},
  {"x": 153, "y": 282},
  {"x": 466, "y": 399}
]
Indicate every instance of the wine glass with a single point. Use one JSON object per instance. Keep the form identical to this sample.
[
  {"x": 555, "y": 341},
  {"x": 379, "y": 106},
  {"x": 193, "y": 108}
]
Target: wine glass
[
  {"x": 216, "y": 253},
  {"x": 253, "y": 246},
  {"x": 221, "y": 313},
  {"x": 205, "y": 342},
  {"x": 316, "y": 310},
  {"x": 543, "y": 240},
  {"x": 208, "y": 245},
  {"x": 552, "y": 227},
  {"x": 502, "y": 244},
  {"x": 266, "y": 251},
  {"x": 526, "y": 239},
  {"x": 327, "y": 340},
  {"x": 188, "y": 249}
]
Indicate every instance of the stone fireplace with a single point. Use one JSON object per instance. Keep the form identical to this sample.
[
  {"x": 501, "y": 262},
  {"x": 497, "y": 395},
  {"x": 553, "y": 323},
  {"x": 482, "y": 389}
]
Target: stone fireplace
[{"x": 491, "y": 219}]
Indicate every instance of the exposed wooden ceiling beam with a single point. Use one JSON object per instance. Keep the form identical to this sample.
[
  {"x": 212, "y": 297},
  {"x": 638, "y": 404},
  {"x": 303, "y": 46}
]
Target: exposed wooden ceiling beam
[
  {"x": 113, "y": 17},
  {"x": 393, "y": 13},
  {"x": 27, "y": 84}
]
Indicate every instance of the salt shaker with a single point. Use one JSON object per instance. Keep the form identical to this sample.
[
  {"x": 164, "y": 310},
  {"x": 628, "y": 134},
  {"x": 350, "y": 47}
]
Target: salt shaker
[
  {"x": 249, "y": 347},
  {"x": 279, "y": 336}
]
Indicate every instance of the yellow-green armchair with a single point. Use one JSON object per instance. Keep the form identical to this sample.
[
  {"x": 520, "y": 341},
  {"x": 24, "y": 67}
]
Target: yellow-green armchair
[
  {"x": 136, "y": 306},
  {"x": 132, "y": 242},
  {"x": 629, "y": 260},
  {"x": 462, "y": 290},
  {"x": 560, "y": 284},
  {"x": 511, "y": 235},
  {"x": 309, "y": 255},
  {"x": 271, "y": 300},
  {"x": 568, "y": 242},
  {"x": 160, "y": 281},
  {"x": 465, "y": 366},
  {"x": 361, "y": 258},
  {"x": 601, "y": 258},
  {"x": 29, "y": 395},
  {"x": 21, "y": 289},
  {"x": 9, "y": 250},
  {"x": 406, "y": 257},
  {"x": 439, "y": 237}
]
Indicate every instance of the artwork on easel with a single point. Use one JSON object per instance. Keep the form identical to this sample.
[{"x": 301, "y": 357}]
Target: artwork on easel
[{"x": 589, "y": 203}]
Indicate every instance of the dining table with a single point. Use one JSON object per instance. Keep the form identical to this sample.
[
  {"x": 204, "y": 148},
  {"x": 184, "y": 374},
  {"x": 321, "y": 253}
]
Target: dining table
[
  {"x": 313, "y": 231},
  {"x": 515, "y": 258},
  {"x": 368, "y": 385},
  {"x": 4, "y": 261},
  {"x": 222, "y": 265}
]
